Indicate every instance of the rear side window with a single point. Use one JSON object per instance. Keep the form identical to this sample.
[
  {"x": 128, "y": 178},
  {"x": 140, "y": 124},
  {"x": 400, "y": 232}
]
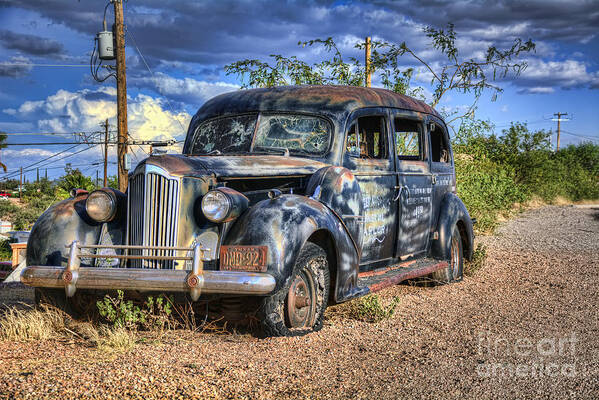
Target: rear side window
[
  {"x": 366, "y": 138},
  {"x": 408, "y": 136},
  {"x": 439, "y": 146}
]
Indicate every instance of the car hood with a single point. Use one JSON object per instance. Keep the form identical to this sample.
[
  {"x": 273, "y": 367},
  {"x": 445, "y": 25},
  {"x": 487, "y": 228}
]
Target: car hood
[{"x": 233, "y": 166}]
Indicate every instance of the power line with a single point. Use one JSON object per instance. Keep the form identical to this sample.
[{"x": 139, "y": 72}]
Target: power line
[
  {"x": 581, "y": 136},
  {"x": 9, "y": 64},
  {"x": 127, "y": 31},
  {"x": 60, "y": 159},
  {"x": 53, "y": 143}
]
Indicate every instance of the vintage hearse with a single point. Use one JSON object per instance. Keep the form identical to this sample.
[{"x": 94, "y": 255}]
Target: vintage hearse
[{"x": 295, "y": 196}]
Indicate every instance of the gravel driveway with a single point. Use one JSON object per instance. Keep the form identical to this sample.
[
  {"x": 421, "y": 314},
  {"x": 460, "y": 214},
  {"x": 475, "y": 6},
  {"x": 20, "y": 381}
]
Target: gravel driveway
[{"x": 524, "y": 326}]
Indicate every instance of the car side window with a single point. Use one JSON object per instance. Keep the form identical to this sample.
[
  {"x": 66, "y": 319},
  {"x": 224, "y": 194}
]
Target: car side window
[
  {"x": 408, "y": 137},
  {"x": 439, "y": 146},
  {"x": 366, "y": 138}
]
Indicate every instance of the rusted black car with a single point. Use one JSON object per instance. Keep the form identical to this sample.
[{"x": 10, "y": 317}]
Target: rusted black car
[{"x": 294, "y": 196}]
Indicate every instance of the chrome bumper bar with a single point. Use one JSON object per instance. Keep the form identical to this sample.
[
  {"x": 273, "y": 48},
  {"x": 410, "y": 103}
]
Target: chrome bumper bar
[{"x": 195, "y": 281}]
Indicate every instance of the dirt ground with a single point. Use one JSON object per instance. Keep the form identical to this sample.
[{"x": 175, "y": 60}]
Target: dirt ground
[{"x": 524, "y": 326}]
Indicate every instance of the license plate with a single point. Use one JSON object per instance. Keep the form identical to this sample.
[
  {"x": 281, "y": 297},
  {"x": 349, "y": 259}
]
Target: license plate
[{"x": 243, "y": 258}]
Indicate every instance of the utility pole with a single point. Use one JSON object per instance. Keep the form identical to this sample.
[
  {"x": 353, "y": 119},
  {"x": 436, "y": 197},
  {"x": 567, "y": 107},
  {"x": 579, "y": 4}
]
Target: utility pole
[
  {"x": 121, "y": 97},
  {"x": 37, "y": 177},
  {"x": 106, "y": 153},
  {"x": 20, "y": 183},
  {"x": 367, "y": 62},
  {"x": 559, "y": 119}
]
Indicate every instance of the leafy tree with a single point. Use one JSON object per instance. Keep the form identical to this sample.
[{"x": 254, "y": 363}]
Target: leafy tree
[
  {"x": 113, "y": 182},
  {"x": 73, "y": 179},
  {"x": 465, "y": 75}
]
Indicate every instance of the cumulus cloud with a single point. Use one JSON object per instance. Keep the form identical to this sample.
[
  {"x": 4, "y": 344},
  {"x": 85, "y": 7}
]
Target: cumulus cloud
[
  {"x": 541, "y": 75},
  {"x": 187, "y": 90},
  {"x": 17, "y": 67},
  {"x": 84, "y": 110},
  {"x": 30, "y": 44}
]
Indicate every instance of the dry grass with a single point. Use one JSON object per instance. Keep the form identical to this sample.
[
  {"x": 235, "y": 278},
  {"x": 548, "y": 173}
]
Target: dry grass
[
  {"x": 116, "y": 340},
  {"x": 35, "y": 324},
  {"x": 24, "y": 325}
]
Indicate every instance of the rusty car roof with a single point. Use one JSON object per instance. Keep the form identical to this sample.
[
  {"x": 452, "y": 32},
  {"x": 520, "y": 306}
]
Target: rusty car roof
[{"x": 335, "y": 101}]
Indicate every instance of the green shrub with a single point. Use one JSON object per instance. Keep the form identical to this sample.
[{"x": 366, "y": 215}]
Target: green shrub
[
  {"x": 371, "y": 309},
  {"x": 122, "y": 313},
  {"x": 495, "y": 172}
]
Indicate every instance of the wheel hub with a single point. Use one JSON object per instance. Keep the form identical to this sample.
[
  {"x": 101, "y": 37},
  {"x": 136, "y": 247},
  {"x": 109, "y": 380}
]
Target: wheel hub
[{"x": 300, "y": 301}]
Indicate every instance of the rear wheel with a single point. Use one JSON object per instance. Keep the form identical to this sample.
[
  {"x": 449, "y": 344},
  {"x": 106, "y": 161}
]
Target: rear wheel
[
  {"x": 298, "y": 307},
  {"x": 455, "y": 269}
]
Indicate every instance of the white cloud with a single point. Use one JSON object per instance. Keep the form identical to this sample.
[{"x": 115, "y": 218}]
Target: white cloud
[
  {"x": 537, "y": 90},
  {"x": 85, "y": 109},
  {"x": 188, "y": 90},
  {"x": 17, "y": 67},
  {"x": 565, "y": 74}
]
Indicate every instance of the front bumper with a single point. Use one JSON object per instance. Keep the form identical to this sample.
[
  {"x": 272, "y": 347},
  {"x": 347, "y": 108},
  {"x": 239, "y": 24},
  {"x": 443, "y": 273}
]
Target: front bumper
[
  {"x": 229, "y": 282},
  {"x": 194, "y": 281}
]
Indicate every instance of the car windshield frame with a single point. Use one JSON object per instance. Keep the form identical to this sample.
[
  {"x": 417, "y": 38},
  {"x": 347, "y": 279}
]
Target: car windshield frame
[{"x": 261, "y": 148}]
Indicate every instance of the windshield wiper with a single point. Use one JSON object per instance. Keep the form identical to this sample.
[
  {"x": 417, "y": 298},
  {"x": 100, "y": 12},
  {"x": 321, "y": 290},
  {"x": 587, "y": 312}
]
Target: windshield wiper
[{"x": 284, "y": 150}]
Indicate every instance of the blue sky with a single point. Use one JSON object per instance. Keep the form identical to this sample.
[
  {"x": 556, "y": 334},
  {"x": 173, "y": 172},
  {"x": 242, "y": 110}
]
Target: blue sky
[{"x": 187, "y": 43}]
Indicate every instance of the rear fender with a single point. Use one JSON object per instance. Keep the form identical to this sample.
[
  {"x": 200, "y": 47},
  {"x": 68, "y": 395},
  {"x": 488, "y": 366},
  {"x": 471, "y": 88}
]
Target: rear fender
[
  {"x": 283, "y": 225},
  {"x": 453, "y": 212}
]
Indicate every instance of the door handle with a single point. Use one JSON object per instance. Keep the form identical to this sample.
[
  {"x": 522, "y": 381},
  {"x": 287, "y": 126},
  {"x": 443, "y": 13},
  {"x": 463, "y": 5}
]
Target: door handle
[
  {"x": 434, "y": 179},
  {"x": 399, "y": 190}
]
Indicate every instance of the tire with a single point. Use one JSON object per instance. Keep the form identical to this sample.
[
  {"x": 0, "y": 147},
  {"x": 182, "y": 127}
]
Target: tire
[
  {"x": 287, "y": 313},
  {"x": 455, "y": 270}
]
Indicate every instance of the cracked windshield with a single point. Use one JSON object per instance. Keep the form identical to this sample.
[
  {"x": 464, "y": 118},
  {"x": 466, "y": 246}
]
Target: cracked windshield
[{"x": 295, "y": 133}]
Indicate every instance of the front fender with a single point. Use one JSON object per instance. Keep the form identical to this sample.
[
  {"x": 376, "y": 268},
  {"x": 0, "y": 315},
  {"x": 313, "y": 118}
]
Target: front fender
[
  {"x": 284, "y": 224},
  {"x": 64, "y": 222},
  {"x": 452, "y": 212}
]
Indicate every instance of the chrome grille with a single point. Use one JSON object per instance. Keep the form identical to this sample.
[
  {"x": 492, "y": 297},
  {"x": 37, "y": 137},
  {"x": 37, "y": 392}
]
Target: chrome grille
[{"x": 153, "y": 217}]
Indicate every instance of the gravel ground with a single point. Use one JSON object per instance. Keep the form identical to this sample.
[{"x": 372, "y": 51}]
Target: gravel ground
[{"x": 524, "y": 326}]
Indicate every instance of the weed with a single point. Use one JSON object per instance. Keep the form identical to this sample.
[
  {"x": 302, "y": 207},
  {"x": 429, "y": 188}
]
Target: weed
[
  {"x": 156, "y": 313},
  {"x": 371, "y": 309},
  {"x": 116, "y": 339},
  {"x": 478, "y": 260}
]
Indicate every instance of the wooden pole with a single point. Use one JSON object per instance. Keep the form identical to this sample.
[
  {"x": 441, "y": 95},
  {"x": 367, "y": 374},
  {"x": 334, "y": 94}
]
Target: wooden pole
[
  {"x": 559, "y": 116},
  {"x": 20, "y": 183},
  {"x": 367, "y": 63},
  {"x": 106, "y": 153},
  {"x": 121, "y": 88}
]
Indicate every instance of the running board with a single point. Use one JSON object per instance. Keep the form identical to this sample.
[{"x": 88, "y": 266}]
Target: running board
[{"x": 378, "y": 279}]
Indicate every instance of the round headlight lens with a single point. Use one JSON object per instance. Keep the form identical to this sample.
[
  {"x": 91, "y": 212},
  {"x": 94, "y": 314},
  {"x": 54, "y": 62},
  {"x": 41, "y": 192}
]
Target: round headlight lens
[
  {"x": 216, "y": 205},
  {"x": 100, "y": 206}
]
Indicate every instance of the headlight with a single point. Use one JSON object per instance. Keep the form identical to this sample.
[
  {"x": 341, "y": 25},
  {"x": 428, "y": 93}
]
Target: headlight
[
  {"x": 216, "y": 206},
  {"x": 224, "y": 204},
  {"x": 101, "y": 205}
]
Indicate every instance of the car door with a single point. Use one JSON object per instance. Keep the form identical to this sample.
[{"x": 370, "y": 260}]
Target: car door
[
  {"x": 441, "y": 161},
  {"x": 368, "y": 154},
  {"x": 415, "y": 183}
]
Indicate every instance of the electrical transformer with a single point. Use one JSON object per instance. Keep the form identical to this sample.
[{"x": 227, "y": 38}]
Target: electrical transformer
[{"x": 106, "y": 45}]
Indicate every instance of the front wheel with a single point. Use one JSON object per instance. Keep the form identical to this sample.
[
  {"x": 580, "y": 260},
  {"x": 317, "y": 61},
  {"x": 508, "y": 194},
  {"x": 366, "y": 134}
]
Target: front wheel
[
  {"x": 455, "y": 269},
  {"x": 298, "y": 307}
]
